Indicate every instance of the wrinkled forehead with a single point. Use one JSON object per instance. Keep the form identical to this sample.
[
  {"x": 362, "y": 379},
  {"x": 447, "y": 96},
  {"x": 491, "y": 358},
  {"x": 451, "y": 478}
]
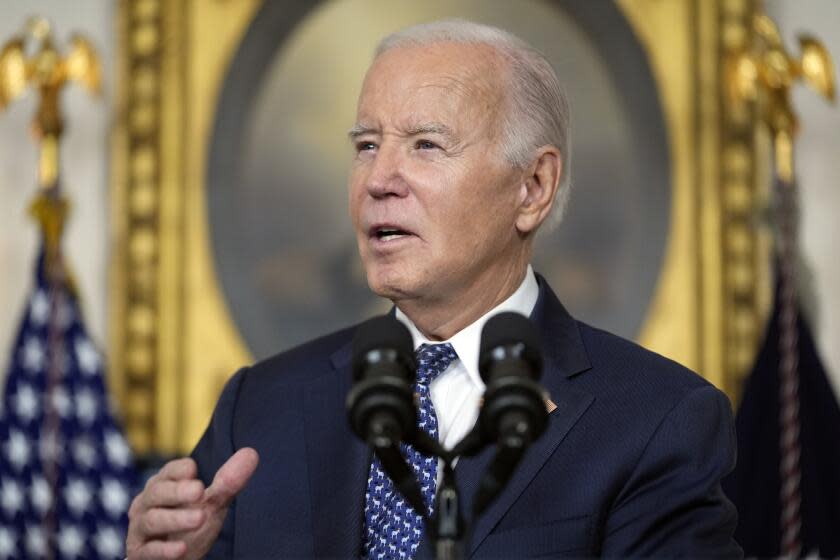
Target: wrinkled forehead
[{"x": 472, "y": 74}]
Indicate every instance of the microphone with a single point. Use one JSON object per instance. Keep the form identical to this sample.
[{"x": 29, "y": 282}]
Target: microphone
[
  {"x": 514, "y": 413},
  {"x": 381, "y": 402},
  {"x": 381, "y": 405}
]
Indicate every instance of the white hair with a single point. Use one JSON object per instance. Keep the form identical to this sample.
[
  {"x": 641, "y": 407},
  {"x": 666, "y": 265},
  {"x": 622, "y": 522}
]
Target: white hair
[{"x": 538, "y": 112}]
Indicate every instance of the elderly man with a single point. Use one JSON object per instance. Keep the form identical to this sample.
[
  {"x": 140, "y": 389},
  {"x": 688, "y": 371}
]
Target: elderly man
[{"x": 461, "y": 155}]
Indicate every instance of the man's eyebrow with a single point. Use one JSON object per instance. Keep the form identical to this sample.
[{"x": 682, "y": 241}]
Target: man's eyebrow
[
  {"x": 414, "y": 130},
  {"x": 359, "y": 130},
  {"x": 430, "y": 128}
]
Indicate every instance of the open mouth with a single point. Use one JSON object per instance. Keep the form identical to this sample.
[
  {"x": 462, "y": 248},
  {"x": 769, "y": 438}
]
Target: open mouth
[{"x": 389, "y": 233}]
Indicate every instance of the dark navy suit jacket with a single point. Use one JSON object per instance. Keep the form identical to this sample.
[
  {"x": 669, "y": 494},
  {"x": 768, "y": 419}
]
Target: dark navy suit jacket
[{"x": 629, "y": 466}]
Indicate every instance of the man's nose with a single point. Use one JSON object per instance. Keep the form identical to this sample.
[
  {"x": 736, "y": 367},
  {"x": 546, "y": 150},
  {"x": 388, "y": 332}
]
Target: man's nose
[{"x": 386, "y": 176}]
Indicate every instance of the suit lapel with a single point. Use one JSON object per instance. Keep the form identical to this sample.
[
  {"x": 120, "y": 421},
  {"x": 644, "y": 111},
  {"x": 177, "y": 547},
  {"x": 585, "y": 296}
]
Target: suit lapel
[
  {"x": 565, "y": 357},
  {"x": 570, "y": 407},
  {"x": 338, "y": 464}
]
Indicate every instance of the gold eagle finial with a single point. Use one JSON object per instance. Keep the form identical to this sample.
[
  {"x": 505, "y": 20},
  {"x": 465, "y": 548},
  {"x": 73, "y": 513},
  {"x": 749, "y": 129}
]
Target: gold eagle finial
[
  {"x": 47, "y": 71},
  {"x": 765, "y": 73}
]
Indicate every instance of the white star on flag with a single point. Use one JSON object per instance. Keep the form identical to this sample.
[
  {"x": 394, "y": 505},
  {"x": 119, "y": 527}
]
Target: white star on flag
[
  {"x": 114, "y": 497},
  {"x": 78, "y": 496},
  {"x": 11, "y": 496},
  {"x": 84, "y": 452},
  {"x": 36, "y": 543},
  {"x": 40, "y": 494},
  {"x": 86, "y": 406},
  {"x": 61, "y": 401},
  {"x": 17, "y": 449},
  {"x": 39, "y": 308},
  {"x": 34, "y": 357},
  {"x": 25, "y": 403},
  {"x": 87, "y": 356},
  {"x": 108, "y": 542},
  {"x": 7, "y": 543},
  {"x": 117, "y": 449},
  {"x": 71, "y": 541}
]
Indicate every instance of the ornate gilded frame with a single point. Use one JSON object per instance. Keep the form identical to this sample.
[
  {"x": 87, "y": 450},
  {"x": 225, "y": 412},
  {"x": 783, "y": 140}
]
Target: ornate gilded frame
[{"x": 173, "y": 344}]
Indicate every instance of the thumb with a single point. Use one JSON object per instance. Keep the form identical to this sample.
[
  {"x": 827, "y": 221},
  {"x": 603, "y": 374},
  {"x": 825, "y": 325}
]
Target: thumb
[{"x": 231, "y": 477}]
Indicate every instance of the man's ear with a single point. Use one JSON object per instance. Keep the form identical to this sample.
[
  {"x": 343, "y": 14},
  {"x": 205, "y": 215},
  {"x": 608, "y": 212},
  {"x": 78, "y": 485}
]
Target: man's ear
[{"x": 538, "y": 189}]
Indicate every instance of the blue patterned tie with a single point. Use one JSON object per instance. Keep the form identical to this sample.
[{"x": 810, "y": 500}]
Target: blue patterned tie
[{"x": 392, "y": 528}]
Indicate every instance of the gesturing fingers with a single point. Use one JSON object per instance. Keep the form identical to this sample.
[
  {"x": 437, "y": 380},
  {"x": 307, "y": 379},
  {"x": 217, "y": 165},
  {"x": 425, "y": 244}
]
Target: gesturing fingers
[
  {"x": 162, "y": 521},
  {"x": 162, "y": 493},
  {"x": 232, "y": 477},
  {"x": 178, "y": 469},
  {"x": 175, "y": 505},
  {"x": 155, "y": 550}
]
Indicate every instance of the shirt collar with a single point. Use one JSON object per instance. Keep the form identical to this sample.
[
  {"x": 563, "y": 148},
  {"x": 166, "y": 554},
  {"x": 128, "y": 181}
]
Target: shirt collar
[{"x": 466, "y": 341}]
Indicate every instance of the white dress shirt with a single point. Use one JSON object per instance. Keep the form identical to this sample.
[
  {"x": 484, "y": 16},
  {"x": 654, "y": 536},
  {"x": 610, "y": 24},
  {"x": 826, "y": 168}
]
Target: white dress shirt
[{"x": 456, "y": 393}]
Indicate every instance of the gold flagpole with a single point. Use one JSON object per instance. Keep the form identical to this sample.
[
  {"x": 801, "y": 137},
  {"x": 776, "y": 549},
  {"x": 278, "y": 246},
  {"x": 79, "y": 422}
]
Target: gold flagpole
[
  {"x": 48, "y": 72},
  {"x": 763, "y": 76}
]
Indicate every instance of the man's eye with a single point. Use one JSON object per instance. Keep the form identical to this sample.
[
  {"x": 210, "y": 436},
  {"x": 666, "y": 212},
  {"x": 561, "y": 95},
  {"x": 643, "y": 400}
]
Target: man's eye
[
  {"x": 425, "y": 145},
  {"x": 365, "y": 146}
]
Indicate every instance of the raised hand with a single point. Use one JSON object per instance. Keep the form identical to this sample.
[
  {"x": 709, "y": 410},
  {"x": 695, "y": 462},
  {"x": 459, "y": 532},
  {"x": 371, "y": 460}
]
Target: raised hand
[{"x": 175, "y": 516}]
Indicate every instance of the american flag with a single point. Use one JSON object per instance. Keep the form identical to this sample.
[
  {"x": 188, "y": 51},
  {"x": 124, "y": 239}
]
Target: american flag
[{"x": 66, "y": 471}]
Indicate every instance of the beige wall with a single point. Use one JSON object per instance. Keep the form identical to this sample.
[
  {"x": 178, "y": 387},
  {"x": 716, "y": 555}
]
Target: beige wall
[{"x": 85, "y": 168}]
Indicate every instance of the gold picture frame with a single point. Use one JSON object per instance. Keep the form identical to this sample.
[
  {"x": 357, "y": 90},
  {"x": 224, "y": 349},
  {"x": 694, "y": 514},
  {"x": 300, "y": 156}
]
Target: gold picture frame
[{"x": 173, "y": 342}]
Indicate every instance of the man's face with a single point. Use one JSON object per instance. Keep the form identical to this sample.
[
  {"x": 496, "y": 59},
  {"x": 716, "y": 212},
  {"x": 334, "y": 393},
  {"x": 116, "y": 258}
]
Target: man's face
[{"x": 432, "y": 198}]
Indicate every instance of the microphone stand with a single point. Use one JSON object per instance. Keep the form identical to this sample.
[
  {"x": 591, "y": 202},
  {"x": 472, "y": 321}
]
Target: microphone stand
[
  {"x": 448, "y": 529},
  {"x": 447, "y": 526}
]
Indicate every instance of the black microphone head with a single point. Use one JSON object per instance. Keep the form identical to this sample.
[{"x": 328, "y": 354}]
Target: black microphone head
[
  {"x": 382, "y": 333},
  {"x": 515, "y": 332}
]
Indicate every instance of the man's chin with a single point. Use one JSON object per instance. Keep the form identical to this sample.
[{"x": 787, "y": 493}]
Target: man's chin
[
  {"x": 389, "y": 286},
  {"x": 387, "y": 291}
]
